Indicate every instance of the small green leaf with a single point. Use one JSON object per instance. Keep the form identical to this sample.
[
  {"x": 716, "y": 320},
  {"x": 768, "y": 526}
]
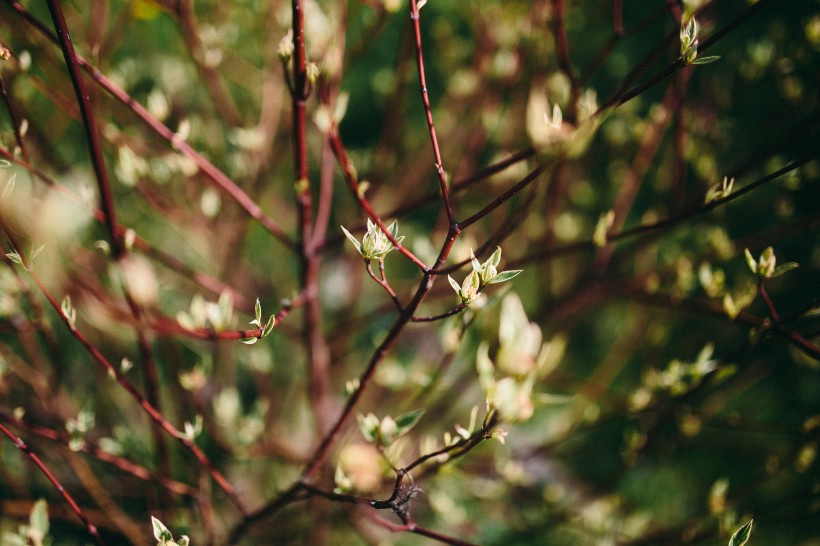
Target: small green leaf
[
  {"x": 750, "y": 261},
  {"x": 39, "y": 518},
  {"x": 784, "y": 268},
  {"x": 408, "y": 420},
  {"x": 454, "y": 284},
  {"x": 249, "y": 340},
  {"x": 505, "y": 276},
  {"x": 353, "y": 240},
  {"x": 741, "y": 536},
  {"x": 161, "y": 532},
  {"x": 268, "y": 326},
  {"x": 258, "y": 311},
  {"x": 15, "y": 257},
  {"x": 705, "y": 60}
]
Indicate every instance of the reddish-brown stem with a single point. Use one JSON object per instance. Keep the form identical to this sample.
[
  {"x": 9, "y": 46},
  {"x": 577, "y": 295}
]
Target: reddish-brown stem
[
  {"x": 218, "y": 177},
  {"x": 383, "y": 282},
  {"x": 425, "y": 98},
  {"x": 318, "y": 352},
  {"x": 89, "y": 125},
  {"x": 761, "y": 288},
  {"x": 22, "y": 446}
]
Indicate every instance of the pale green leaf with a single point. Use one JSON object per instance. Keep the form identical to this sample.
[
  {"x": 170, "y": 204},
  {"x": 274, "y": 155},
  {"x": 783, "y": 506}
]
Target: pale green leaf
[
  {"x": 353, "y": 240},
  {"x": 161, "y": 532},
  {"x": 784, "y": 268},
  {"x": 505, "y": 276},
  {"x": 408, "y": 420},
  {"x": 705, "y": 60},
  {"x": 741, "y": 536}
]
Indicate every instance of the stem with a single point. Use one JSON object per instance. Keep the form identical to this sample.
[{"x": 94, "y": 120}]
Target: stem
[
  {"x": 425, "y": 99},
  {"x": 89, "y": 125}
]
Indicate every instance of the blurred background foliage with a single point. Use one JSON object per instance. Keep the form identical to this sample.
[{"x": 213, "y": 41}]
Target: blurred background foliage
[{"x": 657, "y": 418}]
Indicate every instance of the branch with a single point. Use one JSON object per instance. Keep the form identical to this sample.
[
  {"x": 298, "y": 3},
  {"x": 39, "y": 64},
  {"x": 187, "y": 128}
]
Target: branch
[
  {"x": 425, "y": 99},
  {"x": 89, "y": 125}
]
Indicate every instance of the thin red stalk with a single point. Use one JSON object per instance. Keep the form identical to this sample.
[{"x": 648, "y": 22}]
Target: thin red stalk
[
  {"x": 123, "y": 464},
  {"x": 383, "y": 283},
  {"x": 149, "y": 409},
  {"x": 425, "y": 98},
  {"x": 318, "y": 352},
  {"x": 21, "y": 445},
  {"x": 768, "y": 301},
  {"x": 222, "y": 180},
  {"x": 89, "y": 125}
]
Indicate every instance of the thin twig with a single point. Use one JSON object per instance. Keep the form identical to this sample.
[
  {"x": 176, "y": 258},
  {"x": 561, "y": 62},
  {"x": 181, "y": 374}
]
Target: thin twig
[{"x": 89, "y": 126}]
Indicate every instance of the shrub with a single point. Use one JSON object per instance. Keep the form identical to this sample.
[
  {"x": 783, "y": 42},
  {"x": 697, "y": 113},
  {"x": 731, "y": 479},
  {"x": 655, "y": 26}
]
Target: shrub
[{"x": 545, "y": 256}]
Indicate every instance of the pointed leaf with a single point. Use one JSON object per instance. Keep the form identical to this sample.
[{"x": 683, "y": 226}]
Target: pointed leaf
[
  {"x": 705, "y": 60},
  {"x": 353, "y": 239},
  {"x": 784, "y": 268},
  {"x": 741, "y": 536},
  {"x": 408, "y": 420},
  {"x": 750, "y": 261},
  {"x": 454, "y": 284},
  {"x": 505, "y": 276},
  {"x": 269, "y": 326},
  {"x": 495, "y": 258},
  {"x": 258, "y": 311},
  {"x": 161, "y": 532}
]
